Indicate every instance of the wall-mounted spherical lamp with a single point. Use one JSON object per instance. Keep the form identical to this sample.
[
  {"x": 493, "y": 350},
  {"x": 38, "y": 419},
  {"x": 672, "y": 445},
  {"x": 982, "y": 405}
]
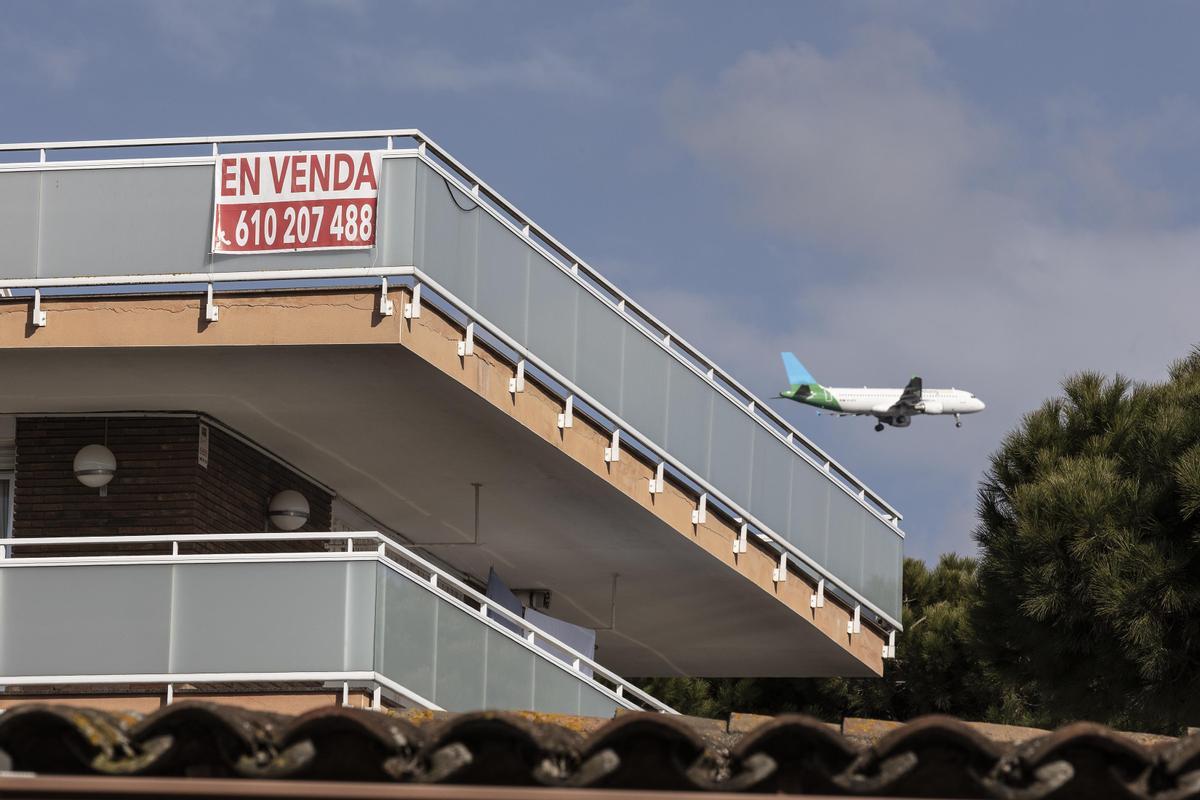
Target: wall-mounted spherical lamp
[
  {"x": 289, "y": 510},
  {"x": 95, "y": 466}
]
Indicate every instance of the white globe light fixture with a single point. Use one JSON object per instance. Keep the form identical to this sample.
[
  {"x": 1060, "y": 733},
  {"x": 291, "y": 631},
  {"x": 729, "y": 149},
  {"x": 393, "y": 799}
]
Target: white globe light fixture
[
  {"x": 288, "y": 510},
  {"x": 95, "y": 466}
]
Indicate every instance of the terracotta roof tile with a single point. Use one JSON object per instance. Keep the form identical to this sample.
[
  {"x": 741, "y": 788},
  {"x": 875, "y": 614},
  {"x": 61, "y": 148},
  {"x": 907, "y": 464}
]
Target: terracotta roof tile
[{"x": 928, "y": 757}]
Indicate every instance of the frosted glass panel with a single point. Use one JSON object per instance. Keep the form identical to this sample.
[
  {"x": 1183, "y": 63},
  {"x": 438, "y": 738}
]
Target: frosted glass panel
[
  {"x": 509, "y": 674},
  {"x": 85, "y": 620},
  {"x": 554, "y": 689},
  {"x": 461, "y": 650},
  {"x": 408, "y": 616}
]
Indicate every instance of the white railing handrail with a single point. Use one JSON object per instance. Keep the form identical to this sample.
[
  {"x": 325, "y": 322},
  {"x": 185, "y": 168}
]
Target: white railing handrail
[
  {"x": 168, "y": 538},
  {"x": 443, "y": 577},
  {"x": 642, "y": 320},
  {"x": 645, "y": 441},
  {"x": 448, "y": 297},
  {"x": 670, "y": 340},
  {"x": 578, "y": 263},
  {"x": 493, "y": 606},
  {"x": 182, "y": 141},
  {"x": 202, "y": 678},
  {"x": 476, "y": 187}
]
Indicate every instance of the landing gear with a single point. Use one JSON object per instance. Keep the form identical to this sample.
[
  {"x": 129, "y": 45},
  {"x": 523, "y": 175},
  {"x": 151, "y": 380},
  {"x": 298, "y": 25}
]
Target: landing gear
[
  {"x": 878, "y": 427},
  {"x": 957, "y": 421}
]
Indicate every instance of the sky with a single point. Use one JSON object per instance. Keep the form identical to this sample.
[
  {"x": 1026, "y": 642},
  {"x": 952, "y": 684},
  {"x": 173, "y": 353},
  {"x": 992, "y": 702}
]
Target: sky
[{"x": 992, "y": 195}]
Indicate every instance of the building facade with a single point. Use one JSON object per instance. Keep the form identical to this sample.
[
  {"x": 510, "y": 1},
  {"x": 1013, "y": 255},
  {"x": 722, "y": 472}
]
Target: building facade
[{"x": 435, "y": 461}]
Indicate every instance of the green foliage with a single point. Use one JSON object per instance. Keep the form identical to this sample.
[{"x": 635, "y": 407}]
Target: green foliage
[
  {"x": 936, "y": 668},
  {"x": 1085, "y": 603},
  {"x": 1090, "y": 569}
]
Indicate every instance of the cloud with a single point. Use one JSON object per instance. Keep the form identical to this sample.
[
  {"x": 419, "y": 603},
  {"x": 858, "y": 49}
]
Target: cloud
[
  {"x": 972, "y": 251},
  {"x": 219, "y": 39},
  {"x": 436, "y": 70},
  {"x": 1113, "y": 172},
  {"x": 869, "y": 149},
  {"x": 30, "y": 59},
  {"x": 958, "y": 15},
  {"x": 210, "y": 37}
]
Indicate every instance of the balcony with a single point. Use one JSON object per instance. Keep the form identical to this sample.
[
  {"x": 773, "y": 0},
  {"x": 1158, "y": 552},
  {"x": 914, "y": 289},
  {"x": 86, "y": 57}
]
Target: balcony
[
  {"x": 481, "y": 294},
  {"x": 356, "y": 609}
]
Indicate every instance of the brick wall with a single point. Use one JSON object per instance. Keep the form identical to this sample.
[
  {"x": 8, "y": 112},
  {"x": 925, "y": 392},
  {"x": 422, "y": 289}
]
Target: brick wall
[
  {"x": 154, "y": 490},
  {"x": 159, "y": 486},
  {"x": 233, "y": 492}
]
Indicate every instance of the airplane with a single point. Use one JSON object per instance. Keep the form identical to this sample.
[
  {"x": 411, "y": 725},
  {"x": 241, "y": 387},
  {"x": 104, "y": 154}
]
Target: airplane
[{"x": 895, "y": 407}]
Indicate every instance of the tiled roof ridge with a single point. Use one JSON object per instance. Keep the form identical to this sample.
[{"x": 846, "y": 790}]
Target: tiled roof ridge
[{"x": 934, "y": 756}]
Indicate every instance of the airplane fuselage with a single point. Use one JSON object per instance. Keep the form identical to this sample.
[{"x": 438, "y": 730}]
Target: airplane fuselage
[
  {"x": 878, "y": 401},
  {"x": 882, "y": 403},
  {"x": 895, "y": 407}
]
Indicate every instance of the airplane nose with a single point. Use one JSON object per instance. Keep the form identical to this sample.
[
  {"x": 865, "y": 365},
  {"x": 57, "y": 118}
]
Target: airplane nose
[{"x": 979, "y": 405}]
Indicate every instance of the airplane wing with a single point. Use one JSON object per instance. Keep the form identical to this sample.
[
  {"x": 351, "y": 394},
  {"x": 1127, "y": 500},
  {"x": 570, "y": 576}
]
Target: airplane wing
[{"x": 909, "y": 397}]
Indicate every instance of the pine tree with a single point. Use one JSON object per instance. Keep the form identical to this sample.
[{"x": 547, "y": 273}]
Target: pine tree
[
  {"x": 937, "y": 668},
  {"x": 1090, "y": 552}
]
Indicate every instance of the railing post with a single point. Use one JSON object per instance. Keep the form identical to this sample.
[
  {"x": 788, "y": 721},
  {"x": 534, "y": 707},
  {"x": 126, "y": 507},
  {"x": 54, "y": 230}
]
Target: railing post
[
  {"x": 740, "y": 545},
  {"x": 700, "y": 512},
  {"x": 386, "y": 307},
  {"x": 466, "y": 345},
  {"x": 566, "y": 418},
  {"x": 613, "y": 451},
  {"x": 780, "y": 574},
  {"x": 517, "y": 382},
  {"x": 211, "y": 312},
  {"x": 412, "y": 309},
  {"x": 656, "y": 483},
  {"x": 36, "y": 314}
]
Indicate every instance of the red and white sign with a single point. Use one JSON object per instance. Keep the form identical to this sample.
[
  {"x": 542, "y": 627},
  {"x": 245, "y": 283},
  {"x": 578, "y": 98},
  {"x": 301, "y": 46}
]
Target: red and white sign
[{"x": 275, "y": 202}]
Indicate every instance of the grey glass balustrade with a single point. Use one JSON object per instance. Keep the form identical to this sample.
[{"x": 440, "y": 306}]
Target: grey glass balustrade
[
  {"x": 274, "y": 618},
  {"x": 427, "y": 222},
  {"x": 585, "y": 339}
]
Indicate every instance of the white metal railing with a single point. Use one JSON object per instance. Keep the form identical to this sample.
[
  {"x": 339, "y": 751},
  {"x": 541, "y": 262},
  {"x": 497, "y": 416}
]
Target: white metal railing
[
  {"x": 195, "y": 680},
  {"x": 516, "y": 219},
  {"x": 385, "y": 550},
  {"x": 521, "y": 225},
  {"x": 629, "y": 432},
  {"x": 644, "y": 441}
]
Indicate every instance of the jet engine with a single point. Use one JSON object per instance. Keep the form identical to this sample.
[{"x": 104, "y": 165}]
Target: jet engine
[{"x": 929, "y": 406}]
